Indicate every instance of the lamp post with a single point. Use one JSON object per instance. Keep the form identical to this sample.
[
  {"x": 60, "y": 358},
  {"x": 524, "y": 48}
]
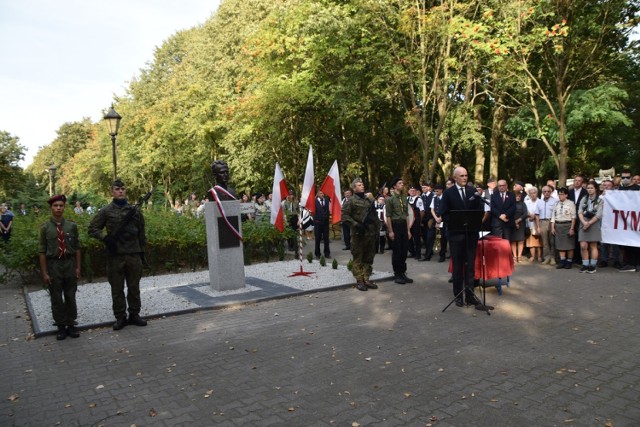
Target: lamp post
[
  {"x": 52, "y": 179},
  {"x": 113, "y": 123}
]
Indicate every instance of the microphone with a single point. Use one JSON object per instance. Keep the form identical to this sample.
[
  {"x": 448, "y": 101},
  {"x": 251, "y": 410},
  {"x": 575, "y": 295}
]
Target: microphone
[{"x": 476, "y": 194}]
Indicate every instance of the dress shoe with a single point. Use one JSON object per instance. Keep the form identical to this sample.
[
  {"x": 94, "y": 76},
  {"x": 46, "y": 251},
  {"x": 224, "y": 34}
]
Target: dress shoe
[
  {"x": 327, "y": 257},
  {"x": 135, "y": 319},
  {"x": 370, "y": 284},
  {"x": 62, "y": 333},
  {"x": 361, "y": 286},
  {"x": 561, "y": 265},
  {"x": 400, "y": 280},
  {"x": 459, "y": 302},
  {"x": 441, "y": 259},
  {"x": 120, "y": 323},
  {"x": 471, "y": 299},
  {"x": 406, "y": 279},
  {"x": 72, "y": 331},
  {"x": 346, "y": 248},
  {"x": 603, "y": 264},
  {"x": 450, "y": 280},
  {"x": 425, "y": 259},
  {"x": 568, "y": 265}
]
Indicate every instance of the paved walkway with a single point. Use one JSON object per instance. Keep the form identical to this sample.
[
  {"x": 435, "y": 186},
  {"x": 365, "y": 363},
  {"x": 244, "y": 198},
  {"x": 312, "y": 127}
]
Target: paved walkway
[{"x": 560, "y": 349}]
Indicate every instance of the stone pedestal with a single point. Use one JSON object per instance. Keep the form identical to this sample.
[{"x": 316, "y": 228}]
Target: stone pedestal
[{"x": 224, "y": 249}]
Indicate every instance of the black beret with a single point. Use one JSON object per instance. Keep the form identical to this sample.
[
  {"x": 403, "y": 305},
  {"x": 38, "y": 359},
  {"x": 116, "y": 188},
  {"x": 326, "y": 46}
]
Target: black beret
[
  {"x": 394, "y": 181},
  {"x": 57, "y": 198}
]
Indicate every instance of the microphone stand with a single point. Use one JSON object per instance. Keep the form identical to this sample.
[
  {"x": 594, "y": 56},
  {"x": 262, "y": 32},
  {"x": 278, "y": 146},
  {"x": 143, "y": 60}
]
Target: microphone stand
[{"x": 484, "y": 274}]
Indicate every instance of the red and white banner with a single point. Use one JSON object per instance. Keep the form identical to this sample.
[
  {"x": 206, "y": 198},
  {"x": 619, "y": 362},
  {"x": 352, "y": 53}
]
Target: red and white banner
[
  {"x": 331, "y": 188},
  {"x": 279, "y": 193},
  {"x": 621, "y": 218},
  {"x": 308, "y": 196}
]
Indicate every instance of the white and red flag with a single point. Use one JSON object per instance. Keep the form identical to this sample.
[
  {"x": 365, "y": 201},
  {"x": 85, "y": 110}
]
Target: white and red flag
[
  {"x": 308, "y": 196},
  {"x": 279, "y": 193},
  {"x": 331, "y": 188}
]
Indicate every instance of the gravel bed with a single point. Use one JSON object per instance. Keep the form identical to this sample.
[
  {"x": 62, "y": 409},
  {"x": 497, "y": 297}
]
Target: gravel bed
[{"x": 94, "y": 299}]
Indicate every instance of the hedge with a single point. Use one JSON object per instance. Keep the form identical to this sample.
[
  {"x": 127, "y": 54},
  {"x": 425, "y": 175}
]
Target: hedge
[{"x": 174, "y": 242}]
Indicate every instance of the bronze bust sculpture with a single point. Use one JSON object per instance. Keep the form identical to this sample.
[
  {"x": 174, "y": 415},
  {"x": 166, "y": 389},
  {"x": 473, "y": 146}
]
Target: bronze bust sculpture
[{"x": 220, "y": 170}]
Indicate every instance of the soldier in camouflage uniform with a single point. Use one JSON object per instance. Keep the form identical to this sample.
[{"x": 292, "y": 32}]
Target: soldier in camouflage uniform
[
  {"x": 126, "y": 262},
  {"x": 59, "y": 253},
  {"x": 359, "y": 214}
]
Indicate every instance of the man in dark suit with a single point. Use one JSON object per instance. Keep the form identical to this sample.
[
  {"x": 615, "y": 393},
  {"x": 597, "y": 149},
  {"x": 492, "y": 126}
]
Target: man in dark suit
[
  {"x": 578, "y": 192},
  {"x": 576, "y": 195},
  {"x": 462, "y": 244},
  {"x": 321, "y": 224},
  {"x": 503, "y": 210}
]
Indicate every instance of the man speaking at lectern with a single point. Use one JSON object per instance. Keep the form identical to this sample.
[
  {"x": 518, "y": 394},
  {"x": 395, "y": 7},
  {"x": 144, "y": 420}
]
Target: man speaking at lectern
[{"x": 460, "y": 197}]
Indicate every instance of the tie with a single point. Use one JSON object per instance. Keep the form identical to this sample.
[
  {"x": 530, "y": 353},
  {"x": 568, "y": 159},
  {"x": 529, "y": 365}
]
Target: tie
[
  {"x": 62, "y": 246},
  {"x": 462, "y": 194},
  {"x": 502, "y": 197}
]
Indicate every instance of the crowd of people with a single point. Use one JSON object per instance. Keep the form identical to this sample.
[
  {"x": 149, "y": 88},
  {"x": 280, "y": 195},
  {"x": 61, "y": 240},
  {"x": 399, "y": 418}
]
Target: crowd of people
[{"x": 555, "y": 226}]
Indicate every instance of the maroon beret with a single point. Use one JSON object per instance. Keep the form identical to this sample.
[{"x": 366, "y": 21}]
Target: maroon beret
[{"x": 56, "y": 198}]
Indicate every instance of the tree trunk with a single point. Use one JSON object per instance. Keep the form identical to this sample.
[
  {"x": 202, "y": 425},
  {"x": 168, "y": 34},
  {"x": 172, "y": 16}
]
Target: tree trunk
[{"x": 499, "y": 117}]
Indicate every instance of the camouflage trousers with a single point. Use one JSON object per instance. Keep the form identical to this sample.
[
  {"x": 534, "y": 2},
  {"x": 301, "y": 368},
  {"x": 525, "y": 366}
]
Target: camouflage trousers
[{"x": 363, "y": 250}]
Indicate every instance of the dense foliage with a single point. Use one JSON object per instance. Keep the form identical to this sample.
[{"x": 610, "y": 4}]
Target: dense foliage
[{"x": 520, "y": 89}]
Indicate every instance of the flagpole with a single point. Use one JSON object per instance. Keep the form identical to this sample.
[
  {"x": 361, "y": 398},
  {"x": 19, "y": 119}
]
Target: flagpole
[{"x": 301, "y": 272}]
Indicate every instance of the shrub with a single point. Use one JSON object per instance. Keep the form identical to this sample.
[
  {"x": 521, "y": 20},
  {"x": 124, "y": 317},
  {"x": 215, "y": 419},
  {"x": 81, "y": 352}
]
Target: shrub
[{"x": 173, "y": 242}]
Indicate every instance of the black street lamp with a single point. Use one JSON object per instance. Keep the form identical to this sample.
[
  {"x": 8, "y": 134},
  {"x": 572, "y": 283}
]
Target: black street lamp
[
  {"x": 112, "y": 118},
  {"x": 52, "y": 180}
]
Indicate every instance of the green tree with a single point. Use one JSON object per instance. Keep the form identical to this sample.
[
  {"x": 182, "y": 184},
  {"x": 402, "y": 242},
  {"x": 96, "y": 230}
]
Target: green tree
[{"x": 11, "y": 153}]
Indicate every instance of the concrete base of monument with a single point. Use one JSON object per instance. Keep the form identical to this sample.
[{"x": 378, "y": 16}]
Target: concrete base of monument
[{"x": 174, "y": 294}]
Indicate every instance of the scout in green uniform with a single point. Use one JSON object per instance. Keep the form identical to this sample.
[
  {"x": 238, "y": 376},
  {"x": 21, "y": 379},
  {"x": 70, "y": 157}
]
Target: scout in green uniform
[
  {"x": 59, "y": 253},
  {"x": 398, "y": 230},
  {"x": 360, "y": 215},
  {"x": 124, "y": 259}
]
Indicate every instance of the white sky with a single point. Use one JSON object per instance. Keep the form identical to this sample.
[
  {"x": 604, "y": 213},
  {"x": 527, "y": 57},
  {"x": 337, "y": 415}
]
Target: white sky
[{"x": 61, "y": 61}]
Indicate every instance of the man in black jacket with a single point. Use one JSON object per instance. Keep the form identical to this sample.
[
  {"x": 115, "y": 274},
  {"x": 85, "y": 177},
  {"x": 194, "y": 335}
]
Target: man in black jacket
[
  {"x": 503, "y": 210},
  {"x": 321, "y": 224},
  {"x": 462, "y": 244}
]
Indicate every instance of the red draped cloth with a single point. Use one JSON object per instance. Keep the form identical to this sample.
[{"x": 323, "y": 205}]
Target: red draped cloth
[{"x": 498, "y": 258}]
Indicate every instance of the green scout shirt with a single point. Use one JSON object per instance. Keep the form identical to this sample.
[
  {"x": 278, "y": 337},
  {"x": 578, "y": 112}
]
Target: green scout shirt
[
  {"x": 132, "y": 238},
  {"x": 353, "y": 212},
  {"x": 396, "y": 207},
  {"x": 48, "y": 244}
]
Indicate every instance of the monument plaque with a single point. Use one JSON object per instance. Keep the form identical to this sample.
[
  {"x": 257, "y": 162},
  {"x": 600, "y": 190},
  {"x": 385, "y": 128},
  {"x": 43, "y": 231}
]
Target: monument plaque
[{"x": 228, "y": 239}]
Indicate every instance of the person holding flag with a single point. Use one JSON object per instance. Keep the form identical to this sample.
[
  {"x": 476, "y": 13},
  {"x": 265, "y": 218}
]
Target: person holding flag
[{"x": 359, "y": 214}]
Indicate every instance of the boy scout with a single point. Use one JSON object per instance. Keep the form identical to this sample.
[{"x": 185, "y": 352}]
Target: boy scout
[{"x": 59, "y": 253}]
